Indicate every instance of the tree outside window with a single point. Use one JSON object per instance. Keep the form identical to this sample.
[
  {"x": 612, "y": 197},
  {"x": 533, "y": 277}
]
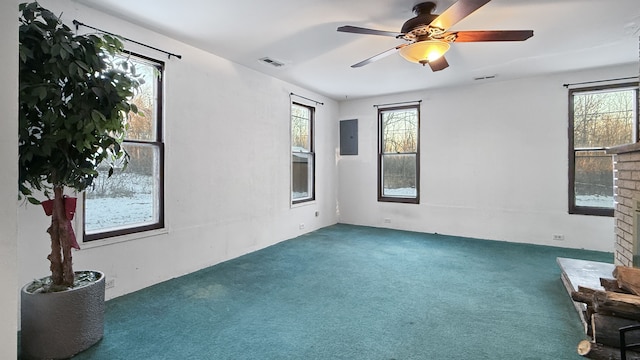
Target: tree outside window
[
  {"x": 398, "y": 158},
  {"x": 599, "y": 118}
]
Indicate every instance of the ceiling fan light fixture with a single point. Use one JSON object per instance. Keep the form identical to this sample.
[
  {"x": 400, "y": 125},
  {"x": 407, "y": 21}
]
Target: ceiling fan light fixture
[{"x": 423, "y": 52}]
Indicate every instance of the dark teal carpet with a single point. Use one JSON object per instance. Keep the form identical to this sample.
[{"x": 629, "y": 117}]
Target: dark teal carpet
[{"x": 350, "y": 292}]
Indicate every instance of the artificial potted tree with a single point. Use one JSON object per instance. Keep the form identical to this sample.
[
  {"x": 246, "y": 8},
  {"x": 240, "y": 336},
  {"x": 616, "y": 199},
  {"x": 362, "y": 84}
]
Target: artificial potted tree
[{"x": 74, "y": 99}]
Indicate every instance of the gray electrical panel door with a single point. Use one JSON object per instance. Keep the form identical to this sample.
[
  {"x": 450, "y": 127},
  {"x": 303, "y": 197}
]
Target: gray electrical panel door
[{"x": 349, "y": 137}]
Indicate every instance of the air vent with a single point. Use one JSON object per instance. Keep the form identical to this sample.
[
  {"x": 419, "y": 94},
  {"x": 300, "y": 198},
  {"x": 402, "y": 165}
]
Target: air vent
[
  {"x": 484, "y": 77},
  {"x": 272, "y": 62}
]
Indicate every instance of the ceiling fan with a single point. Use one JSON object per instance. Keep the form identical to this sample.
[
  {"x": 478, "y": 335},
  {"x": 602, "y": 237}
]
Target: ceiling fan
[{"x": 427, "y": 37}]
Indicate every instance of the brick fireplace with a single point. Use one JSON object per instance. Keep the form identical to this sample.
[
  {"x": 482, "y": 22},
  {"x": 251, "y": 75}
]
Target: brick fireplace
[{"x": 626, "y": 173}]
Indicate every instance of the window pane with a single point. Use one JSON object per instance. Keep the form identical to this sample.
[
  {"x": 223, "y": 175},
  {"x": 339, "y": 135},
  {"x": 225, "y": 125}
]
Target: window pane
[
  {"x": 399, "y": 175},
  {"x": 594, "y": 179},
  {"x": 302, "y": 167},
  {"x": 142, "y": 125},
  {"x": 300, "y": 128},
  {"x": 129, "y": 198},
  {"x": 302, "y": 157},
  {"x": 603, "y": 119},
  {"x": 400, "y": 131}
]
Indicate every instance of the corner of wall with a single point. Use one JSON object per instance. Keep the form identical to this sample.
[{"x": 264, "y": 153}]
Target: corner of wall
[{"x": 9, "y": 179}]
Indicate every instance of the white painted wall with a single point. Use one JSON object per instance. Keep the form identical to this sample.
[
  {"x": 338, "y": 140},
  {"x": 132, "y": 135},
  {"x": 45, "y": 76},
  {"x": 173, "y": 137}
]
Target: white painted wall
[
  {"x": 9, "y": 178},
  {"x": 494, "y": 160},
  {"x": 227, "y": 169}
]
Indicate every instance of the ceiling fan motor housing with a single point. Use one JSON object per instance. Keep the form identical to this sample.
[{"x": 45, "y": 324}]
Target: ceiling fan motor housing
[{"x": 424, "y": 17}]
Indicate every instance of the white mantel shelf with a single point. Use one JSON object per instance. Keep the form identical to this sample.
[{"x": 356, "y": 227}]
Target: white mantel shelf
[{"x": 622, "y": 149}]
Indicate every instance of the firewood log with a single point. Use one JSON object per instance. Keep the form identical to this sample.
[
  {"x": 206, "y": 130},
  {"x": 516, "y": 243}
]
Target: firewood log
[
  {"x": 617, "y": 304},
  {"x": 583, "y": 295},
  {"x": 628, "y": 278},
  {"x": 597, "y": 351},
  {"x": 605, "y": 330},
  {"x": 612, "y": 285}
]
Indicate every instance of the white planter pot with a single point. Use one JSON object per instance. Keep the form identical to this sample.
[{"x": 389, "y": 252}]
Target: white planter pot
[{"x": 61, "y": 324}]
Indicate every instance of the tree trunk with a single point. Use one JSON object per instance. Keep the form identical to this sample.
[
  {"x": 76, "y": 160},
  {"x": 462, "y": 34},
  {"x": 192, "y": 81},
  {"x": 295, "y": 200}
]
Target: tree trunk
[{"x": 60, "y": 257}]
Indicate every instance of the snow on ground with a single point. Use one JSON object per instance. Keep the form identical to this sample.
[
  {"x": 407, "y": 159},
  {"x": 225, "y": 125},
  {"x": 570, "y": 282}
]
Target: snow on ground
[
  {"x": 101, "y": 213},
  {"x": 400, "y": 192},
  {"x": 126, "y": 199},
  {"x": 594, "y": 201}
]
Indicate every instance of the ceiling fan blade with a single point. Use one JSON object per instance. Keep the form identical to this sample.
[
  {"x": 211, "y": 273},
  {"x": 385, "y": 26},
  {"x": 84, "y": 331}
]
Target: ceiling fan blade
[
  {"x": 457, "y": 12},
  {"x": 359, "y": 30},
  {"x": 493, "y": 35},
  {"x": 438, "y": 64},
  {"x": 379, "y": 56}
]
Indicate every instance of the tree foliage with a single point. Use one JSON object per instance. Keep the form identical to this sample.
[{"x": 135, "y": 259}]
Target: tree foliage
[
  {"x": 73, "y": 102},
  {"x": 603, "y": 119}
]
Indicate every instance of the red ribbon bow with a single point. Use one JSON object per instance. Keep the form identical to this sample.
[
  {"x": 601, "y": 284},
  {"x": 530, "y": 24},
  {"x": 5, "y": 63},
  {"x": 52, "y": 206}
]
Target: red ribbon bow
[{"x": 70, "y": 211}]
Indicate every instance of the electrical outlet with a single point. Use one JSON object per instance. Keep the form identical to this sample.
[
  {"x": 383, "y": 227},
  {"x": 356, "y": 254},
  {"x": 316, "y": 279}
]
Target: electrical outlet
[
  {"x": 317, "y": 213},
  {"x": 387, "y": 221},
  {"x": 558, "y": 237},
  {"x": 301, "y": 226},
  {"x": 110, "y": 283}
]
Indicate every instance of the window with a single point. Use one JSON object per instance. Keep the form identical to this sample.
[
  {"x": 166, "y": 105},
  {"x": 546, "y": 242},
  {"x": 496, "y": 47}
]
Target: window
[
  {"x": 599, "y": 118},
  {"x": 399, "y": 154},
  {"x": 302, "y": 155},
  {"x": 131, "y": 200}
]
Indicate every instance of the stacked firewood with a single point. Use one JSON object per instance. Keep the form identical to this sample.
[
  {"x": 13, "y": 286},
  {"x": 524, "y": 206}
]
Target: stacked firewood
[{"x": 616, "y": 306}]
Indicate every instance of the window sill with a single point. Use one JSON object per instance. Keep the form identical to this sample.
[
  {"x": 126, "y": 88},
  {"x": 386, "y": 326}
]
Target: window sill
[
  {"x": 399, "y": 200},
  {"x": 591, "y": 211},
  {"x": 123, "y": 238},
  {"x": 302, "y": 204}
]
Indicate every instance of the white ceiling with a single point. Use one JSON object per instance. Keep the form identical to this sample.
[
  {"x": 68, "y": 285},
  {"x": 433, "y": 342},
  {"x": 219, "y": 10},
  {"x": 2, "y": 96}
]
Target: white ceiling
[{"x": 568, "y": 34}]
